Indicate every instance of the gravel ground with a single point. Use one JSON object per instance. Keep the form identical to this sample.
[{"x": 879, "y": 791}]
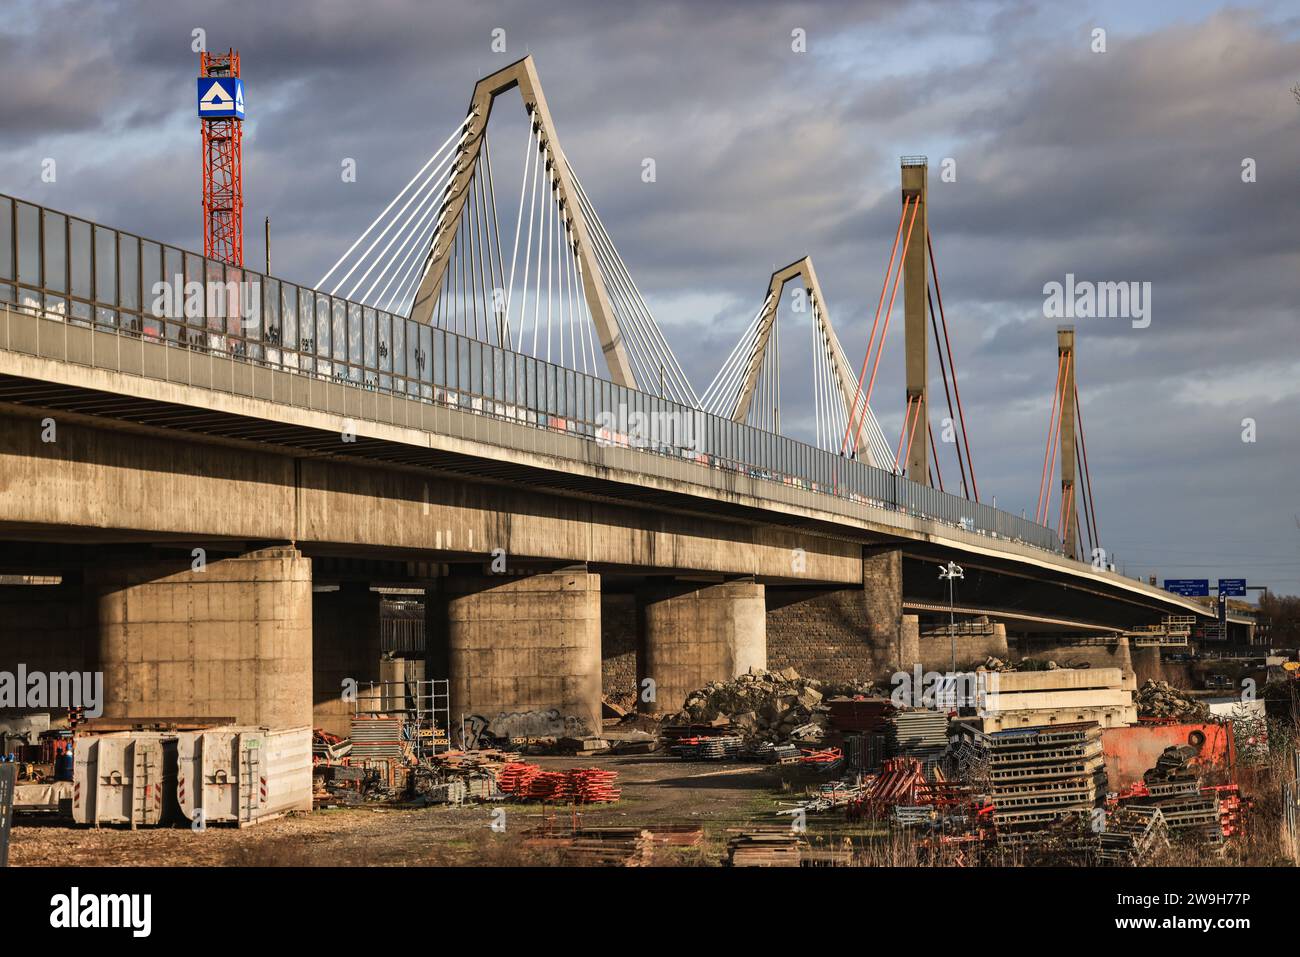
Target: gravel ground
[{"x": 657, "y": 789}]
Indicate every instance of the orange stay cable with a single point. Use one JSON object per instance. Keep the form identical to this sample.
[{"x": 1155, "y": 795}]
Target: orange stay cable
[
  {"x": 937, "y": 469},
  {"x": 866, "y": 359},
  {"x": 907, "y": 423},
  {"x": 1051, "y": 424},
  {"x": 889, "y": 311},
  {"x": 1087, "y": 472},
  {"x": 1056, "y": 443},
  {"x": 961, "y": 412},
  {"x": 907, "y": 453}
]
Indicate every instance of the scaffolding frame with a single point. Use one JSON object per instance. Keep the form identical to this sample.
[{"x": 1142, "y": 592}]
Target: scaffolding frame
[{"x": 423, "y": 705}]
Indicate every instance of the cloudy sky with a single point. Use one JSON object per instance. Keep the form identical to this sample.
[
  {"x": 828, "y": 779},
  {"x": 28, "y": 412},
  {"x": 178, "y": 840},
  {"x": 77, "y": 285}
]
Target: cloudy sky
[{"x": 1122, "y": 165}]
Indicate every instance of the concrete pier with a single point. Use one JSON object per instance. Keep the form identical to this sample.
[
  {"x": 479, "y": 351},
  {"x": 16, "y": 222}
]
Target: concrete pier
[
  {"x": 230, "y": 638},
  {"x": 522, "y": 654},
  {"x": 694, "y": 633}
]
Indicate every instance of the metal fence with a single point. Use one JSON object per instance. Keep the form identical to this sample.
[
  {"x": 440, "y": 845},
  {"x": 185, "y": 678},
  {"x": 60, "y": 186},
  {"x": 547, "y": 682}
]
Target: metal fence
[{"x": 70, "y": 270}]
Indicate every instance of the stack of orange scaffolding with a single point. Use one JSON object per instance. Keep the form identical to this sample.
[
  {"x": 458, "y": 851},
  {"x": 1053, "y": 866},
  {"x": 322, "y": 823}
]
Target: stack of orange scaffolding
[{"x": 516, "y": 777}]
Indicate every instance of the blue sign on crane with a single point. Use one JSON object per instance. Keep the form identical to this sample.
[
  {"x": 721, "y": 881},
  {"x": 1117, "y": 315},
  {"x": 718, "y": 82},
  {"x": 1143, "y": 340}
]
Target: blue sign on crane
[
  {"x": 221, "y": 97},
  {"x": 1188, "y": 587}
]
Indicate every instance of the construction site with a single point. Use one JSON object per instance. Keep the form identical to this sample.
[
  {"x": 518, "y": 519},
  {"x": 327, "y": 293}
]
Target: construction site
[
  {"x": 998, "y": 766},
  {"x": 443, "y": 561}
]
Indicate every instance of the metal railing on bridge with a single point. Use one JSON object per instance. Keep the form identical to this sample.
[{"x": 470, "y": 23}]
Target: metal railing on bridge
[{"x": 70, "y": 270}]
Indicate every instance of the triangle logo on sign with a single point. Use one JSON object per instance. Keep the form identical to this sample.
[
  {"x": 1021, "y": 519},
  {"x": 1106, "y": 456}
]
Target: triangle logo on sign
[
  {"x": 239, "y": 98},
  {"x": 215, "y": 99}
]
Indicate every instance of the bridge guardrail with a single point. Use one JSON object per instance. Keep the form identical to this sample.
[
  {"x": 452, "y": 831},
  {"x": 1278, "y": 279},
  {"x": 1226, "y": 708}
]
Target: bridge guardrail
[{"x": 73, "y": 272}]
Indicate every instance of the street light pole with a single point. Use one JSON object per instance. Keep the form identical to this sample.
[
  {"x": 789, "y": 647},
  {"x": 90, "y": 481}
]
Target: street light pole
[{"x": 950, "y": 571}]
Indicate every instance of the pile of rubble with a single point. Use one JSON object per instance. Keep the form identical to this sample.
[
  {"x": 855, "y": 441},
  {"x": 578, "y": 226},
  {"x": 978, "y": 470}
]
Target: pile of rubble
[
  {"x": 1160, "y": 699},
  {"x": 773, "y": 706}
]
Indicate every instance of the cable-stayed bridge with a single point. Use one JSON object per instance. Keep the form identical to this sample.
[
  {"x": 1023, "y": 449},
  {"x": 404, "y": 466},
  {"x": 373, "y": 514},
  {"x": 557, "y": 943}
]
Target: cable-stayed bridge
[{"x": 476, "y": 403}]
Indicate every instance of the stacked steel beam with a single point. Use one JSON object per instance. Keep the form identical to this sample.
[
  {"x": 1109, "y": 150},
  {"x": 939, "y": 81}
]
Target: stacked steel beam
[{"x": 921, "y": 734}]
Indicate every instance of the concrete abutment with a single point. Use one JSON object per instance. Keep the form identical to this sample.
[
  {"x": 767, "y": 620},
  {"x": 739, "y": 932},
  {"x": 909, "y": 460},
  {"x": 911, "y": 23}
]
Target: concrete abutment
[{"x": 843, "y": 634}]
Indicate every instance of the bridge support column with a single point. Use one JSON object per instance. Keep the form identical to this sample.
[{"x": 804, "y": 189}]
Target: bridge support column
[
  {"x": 1147, "y": 664},
  {"x": 232, "y": 639},
  {"x": 694, "y": 633},
  {"x": 345, "y": 647},
  {"x": 844, "y": 634},
  {"x": 522, "y": 654}
]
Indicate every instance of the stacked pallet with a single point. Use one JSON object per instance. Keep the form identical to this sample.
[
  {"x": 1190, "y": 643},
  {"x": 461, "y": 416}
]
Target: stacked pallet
[
  {"x": 1211, "y": 813},
  {"x": 610, "y": 850},
  {"x": 921, "y": 734},
  {"x": 765, "y": 847},
  {"x": 1029, "y": 699},
  {"x": 717, "y": 747},
  {"x": 861, "y": 715},
  {"x": 776, "y": 753},
  {"x": 1174, "y": 786},
  {"x": 1040, "y": 775},
  {"x": 612, "y": 847}
]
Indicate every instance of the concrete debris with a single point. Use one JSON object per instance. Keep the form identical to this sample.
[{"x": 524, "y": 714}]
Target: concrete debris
[
  {"x": 774, "y": 706},
  {"x": 1159, "y": 699}
]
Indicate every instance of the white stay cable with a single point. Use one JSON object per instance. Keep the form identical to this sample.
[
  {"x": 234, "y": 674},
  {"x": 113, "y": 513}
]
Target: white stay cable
[
  {"x": 427, "y": 164},
  {"x": 432, "y": 177},
  {"x": 719, "y": 393},
  {"x": 422, "y": 230},
  {"x": 660, "y": 349}
]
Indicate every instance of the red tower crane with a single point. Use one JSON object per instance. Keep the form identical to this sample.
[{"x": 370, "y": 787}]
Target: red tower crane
[{"x": 221, "y": 117}]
